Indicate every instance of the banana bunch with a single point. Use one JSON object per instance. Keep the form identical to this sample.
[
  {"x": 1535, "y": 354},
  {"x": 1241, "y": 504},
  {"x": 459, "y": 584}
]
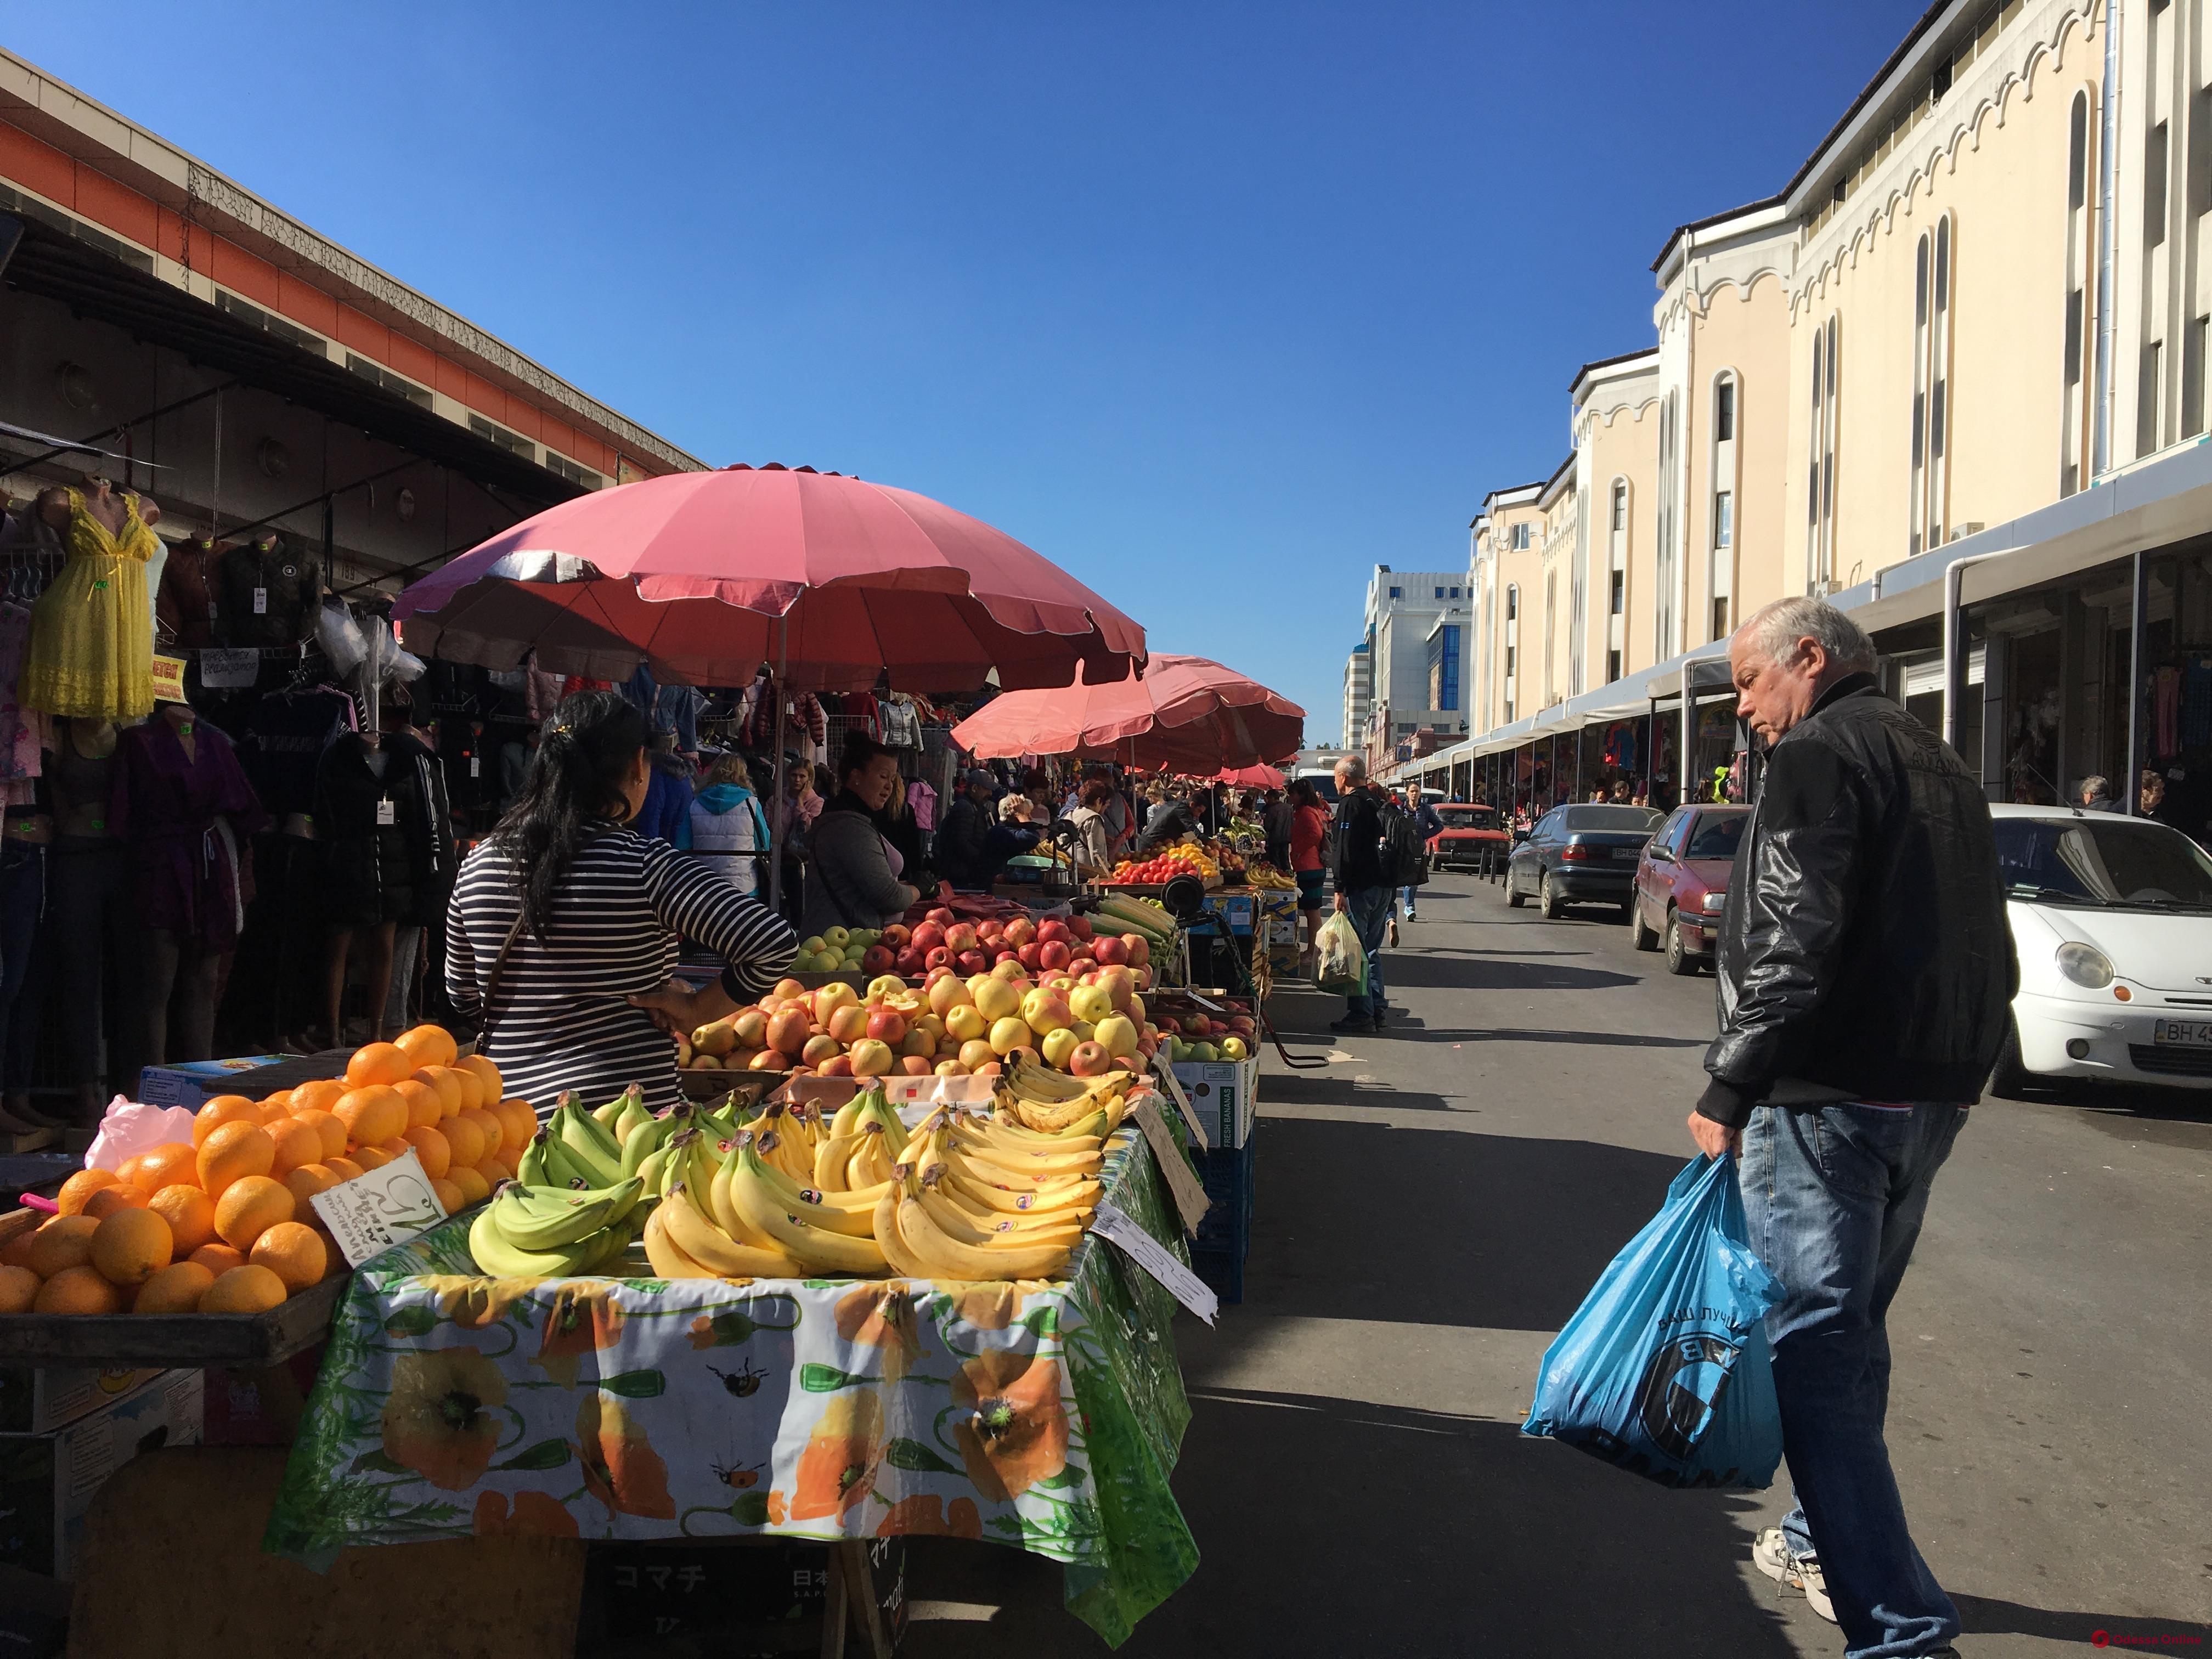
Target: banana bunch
[
  {"x": 1037, "y": 1097},
  {"x": 1260, "y": 873},
  {"x": 983, "y": 1199},
  {"x": 861, "y": 1146},
  {"x": 687, "y": 1236},
  {"x": 530, "y": 1231}
]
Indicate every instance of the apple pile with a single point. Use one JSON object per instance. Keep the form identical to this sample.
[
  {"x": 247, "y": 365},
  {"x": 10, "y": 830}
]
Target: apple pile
[
  {"x": 1086, "y": 1024},
  {"x": 1043, "y": 949},
  {"x": 1197, "y": 1037}
]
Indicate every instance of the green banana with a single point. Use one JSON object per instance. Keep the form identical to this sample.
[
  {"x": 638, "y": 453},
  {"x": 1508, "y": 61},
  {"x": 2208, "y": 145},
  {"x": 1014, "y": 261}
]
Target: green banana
[
  {"x": 632, "y": 1118},
  {"x": 589, "y": 1144},
  {"x": 646, "y": 1139},
  {"x": 548, "y": 1217},
  {"x": 651, "y": 1171},
  {"x": 494, "y": 1256},
  {"x": 605, "y": 1115},
  {"x": 530, "y": 1169},
  {"x": 561, "y": 1167}
]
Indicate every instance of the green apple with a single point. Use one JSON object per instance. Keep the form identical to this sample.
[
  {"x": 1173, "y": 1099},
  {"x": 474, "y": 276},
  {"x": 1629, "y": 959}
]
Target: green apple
[
  {"x": 1058, "y": 1046},
  {"x": 1090, "y": 1003},
  {"x": 837, "y": 936},
  {"x": 1234, "y": 1048},
  {"x": 1116, "y": 1034}
]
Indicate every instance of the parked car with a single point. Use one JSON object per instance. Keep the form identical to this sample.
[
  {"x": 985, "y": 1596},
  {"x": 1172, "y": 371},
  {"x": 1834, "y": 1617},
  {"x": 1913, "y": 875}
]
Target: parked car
[
  {"x": 2111, "y": 918},
  {"x": 1682, "y": 883},
  {"x": 1473, "y": 838},
  {"x": 1580, "y": 855}
]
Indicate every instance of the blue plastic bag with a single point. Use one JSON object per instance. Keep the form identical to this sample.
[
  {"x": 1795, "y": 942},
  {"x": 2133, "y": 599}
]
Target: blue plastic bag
[{"x": 1664, "y": 1369}]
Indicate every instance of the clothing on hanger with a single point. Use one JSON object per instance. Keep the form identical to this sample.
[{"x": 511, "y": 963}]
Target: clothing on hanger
[
  {"x": 268, "y": 595},
  {"x": 284, "y": 737},
  {"x": 91, "y": 650},
  {"x": 185, "y": 603},
  {"x": 185, "y": 818}
]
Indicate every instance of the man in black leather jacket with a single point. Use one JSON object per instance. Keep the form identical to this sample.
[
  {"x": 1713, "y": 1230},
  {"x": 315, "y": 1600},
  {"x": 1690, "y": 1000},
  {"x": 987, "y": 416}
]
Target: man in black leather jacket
[{"x": 1866, "y": 972}]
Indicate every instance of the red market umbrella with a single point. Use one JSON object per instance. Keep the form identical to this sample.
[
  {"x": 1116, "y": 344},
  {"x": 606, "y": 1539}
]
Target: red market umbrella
[
  {"x": 1249, "y": 777},
  {"x": 1182, "y": 715},
  {"x": 704, "y": 576}
]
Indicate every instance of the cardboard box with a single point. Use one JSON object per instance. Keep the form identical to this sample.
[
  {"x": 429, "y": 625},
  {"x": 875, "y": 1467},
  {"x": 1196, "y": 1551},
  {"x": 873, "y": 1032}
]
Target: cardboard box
[
  {"x": 1221, "y": 1094},
  {"x": 192, "y": 1083},
  {"x": 734, "y": 1597},
  {"x": 38, "y": 1400},
  {"x": 47, "y": 1481}
]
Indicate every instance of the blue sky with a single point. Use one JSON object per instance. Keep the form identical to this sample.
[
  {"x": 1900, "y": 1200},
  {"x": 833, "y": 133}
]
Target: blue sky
[{"x": 1216, "y": 305}]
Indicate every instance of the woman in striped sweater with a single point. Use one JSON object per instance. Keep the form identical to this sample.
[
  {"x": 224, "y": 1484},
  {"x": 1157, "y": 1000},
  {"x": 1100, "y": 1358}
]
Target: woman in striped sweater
[{"x": 564, "y": 925}]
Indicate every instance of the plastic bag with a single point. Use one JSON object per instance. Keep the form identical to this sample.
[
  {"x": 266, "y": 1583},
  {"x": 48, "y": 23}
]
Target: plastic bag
[
  {"x": 1341, "y": 965},
  {"x": 1664, "y": 1369},
  {"x": 130, "y": 1127}
]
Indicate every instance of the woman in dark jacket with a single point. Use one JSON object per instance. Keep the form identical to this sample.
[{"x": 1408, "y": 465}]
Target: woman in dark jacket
[{"x": 385, "y": 831}]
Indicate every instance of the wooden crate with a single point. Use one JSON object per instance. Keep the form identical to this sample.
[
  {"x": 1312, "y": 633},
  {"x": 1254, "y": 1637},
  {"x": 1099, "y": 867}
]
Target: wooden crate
[{"x": 245, "y": 1340}]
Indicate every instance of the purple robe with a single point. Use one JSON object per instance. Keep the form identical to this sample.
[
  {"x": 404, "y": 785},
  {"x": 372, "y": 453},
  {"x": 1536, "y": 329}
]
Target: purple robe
[{"x": 188, "y": 822}]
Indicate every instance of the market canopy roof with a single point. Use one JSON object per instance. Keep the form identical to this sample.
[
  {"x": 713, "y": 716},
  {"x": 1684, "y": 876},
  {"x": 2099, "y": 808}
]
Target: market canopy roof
[
  {"x": 704, "y": 576},
  {"x": 1182, "y": 715}
]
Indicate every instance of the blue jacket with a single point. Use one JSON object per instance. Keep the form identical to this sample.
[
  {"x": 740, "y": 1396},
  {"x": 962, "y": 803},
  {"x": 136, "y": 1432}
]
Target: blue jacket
[{"x": 667, "y": 802}]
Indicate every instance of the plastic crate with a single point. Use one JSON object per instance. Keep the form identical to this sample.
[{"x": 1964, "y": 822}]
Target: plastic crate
[
  {"x": 1222, "y": 1270},
  {"x": 1226, "y": 1173}
]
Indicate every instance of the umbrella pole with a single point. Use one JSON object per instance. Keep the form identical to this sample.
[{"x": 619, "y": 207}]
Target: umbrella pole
[{"x": 776, "y": 858}]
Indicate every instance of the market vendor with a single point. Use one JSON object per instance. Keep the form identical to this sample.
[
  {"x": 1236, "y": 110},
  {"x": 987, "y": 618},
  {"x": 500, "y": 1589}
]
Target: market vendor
[
  {"x": 564, "y": 925},
  {"x": 853, "y": 878},
  {"x": 1171, "y": 820}
]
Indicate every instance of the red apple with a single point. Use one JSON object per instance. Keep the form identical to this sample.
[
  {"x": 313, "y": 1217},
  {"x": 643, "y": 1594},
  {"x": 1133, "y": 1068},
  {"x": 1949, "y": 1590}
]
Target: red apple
[
  {"x": 1004, "y": 958},
  {"x": 1110, "y": 952},
  {"x": 973, "y": 962},
  {"x": 1171, "y": 1024},
  {"x": 1051, "y": 929},
  {"x": 1090, "y": 1060},
  {"x": 1080, "y": 926},
  {"x": 927, "y": 937},
  {"x": 1029, "y": 954},
  {"x": 1139, "y": 947},
  {"x": 937, "y": 957},
  {"x": 887, "y": 1025},
  {"x": 1020, "y": 931},
  {"x": 937, "y": 970},
  {"x": 907, "y": 963},
  {"x": 835, "y": 1066},
  {"x": 961, "y": 936},
  {"x": 914, "y": 1066},
  {"x": 988, "y": 932},
  {"x": 941, "y": 916},
  {"x": 876, "y": 959},
  {"x": 1052, "y": 953},
  {"x": 898, "y": 936}
]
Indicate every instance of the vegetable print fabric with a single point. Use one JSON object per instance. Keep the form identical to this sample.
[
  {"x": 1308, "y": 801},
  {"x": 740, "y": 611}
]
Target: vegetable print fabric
[{"x": 1043, "y": 1416}]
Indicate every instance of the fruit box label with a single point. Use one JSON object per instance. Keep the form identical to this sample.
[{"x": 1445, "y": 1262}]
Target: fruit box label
[
  {"x": 1222, "y": 1092},
  {"x": 373, "y": 1212}
]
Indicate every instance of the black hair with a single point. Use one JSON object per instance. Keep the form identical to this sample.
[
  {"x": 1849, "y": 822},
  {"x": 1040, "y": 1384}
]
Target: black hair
[
  {"x": 857, "y": 751},
  {"x": 1304, "y": 793},
  {"x": 575, "y": 779}
]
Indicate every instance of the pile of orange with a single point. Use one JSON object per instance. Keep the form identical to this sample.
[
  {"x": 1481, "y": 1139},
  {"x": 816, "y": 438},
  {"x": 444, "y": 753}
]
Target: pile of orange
[{"x": 223, "y": 1224}]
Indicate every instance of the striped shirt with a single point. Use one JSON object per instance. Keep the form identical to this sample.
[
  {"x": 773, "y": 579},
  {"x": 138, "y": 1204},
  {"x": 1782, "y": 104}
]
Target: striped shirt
[{"x": 561, "y": 1021}]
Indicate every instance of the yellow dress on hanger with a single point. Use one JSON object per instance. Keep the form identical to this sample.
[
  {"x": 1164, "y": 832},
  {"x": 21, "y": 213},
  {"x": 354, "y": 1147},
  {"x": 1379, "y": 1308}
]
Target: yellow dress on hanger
[{"x": 91, "y": 653}]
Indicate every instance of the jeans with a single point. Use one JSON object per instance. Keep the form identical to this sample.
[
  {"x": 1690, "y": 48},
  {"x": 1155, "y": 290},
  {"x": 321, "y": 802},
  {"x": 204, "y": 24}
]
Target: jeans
[
  {"x": 1369, "y": 910},
  {"x": 1405, "y": 896},
  {"x": 1834, "y": 1197}
]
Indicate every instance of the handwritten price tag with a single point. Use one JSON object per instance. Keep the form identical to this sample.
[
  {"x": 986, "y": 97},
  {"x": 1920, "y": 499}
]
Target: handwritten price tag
[
  {"x": 1190, "y": 1199},
  {"x": 372, "y": 1212},
  {"x": 1141, "y": 1248}
]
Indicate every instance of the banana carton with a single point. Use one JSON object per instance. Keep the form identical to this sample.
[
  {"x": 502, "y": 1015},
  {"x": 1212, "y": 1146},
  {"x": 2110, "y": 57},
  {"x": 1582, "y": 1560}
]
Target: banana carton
[{"x": 1222, "y": 1094}]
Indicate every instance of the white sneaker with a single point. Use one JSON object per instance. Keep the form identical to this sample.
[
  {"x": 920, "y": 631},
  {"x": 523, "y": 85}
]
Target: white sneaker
[{"x": 1771, "y": 1555}]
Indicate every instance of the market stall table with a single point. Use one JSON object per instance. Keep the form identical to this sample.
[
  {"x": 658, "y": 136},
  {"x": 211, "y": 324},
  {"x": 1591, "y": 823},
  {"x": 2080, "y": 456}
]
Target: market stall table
[{"x": 1044, "y": 1416}]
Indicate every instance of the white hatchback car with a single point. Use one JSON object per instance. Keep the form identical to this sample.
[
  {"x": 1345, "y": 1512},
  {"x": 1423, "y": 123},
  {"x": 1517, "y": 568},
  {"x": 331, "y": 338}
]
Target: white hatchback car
[{"x": 2111, "y": 917}]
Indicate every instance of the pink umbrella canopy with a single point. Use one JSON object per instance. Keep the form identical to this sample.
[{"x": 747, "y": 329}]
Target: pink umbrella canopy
[
  {"x": 1182, "y": 715},
  {"x": 703, "y": 576},
  {"x": 1249, "y": 777}
]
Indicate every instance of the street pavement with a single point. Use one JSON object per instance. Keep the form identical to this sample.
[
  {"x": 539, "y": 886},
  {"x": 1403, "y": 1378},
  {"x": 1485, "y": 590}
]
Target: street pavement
[{"x": 1434, "y": 1204}]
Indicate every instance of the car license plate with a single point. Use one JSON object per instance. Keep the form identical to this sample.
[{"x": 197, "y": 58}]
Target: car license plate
[{"x": 2185, "y": 1033}]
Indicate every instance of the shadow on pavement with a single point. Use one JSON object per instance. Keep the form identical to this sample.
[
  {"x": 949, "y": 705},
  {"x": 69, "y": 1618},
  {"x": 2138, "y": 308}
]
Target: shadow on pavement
[
  {"x": 1981, "y": 1615},
  {"x": 1412, "y": 1033},
  {"x": 1513, "y": 1230},
  {"x": 1329, "y": 1526},
  {"x": 1435, "y": 971},
  {"x": 1310, "y": 1089}
]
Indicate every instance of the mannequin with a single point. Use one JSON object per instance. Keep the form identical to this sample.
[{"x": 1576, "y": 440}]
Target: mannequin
[
  {"x": 269, "y": 591},
  {"x": 92, "y": 631},
  {"x": 182, "y": 804},
  {"x": 92, "y": 931}
]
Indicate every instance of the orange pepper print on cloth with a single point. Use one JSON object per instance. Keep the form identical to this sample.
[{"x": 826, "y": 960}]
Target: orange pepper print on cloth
[
  {"x": 838, "y": 1467},
  {"x": 584, "y": 1318},
  {"x": 883, "y": 1316},
  {"x": 438, "y": 1417},
  {"x": 927, "y": 1512},
  {"x": 535, "y": 1514},
  {"x": 1009, "y": 1421},
  {"x": 621, "y": 1468},
  {"x": 473, "y": 1304}
]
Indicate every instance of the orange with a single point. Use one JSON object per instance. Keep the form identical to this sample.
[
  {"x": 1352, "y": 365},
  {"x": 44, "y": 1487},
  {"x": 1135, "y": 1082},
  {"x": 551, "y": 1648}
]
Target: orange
[
  {"x": 378, "y": 1062},
  {"x": 190, "y": 1213},
  {"x": 317, "y": 1097},
  {"x": 294, "y": 1253},
  {"x": 372, "y": 1114},
  {"x": 449, "y": 1199},
  {"x": 282, "y": 1097},
  {"x": 16, "y": 1252},
  {"x": 77, "y": 1291},
  {"x": 296, "y": 1143},
  {"x": 370, "y": 1158},
  {"x": 249, "y": 1208},
  {"x": 425, "y": 1105},
  {"x": 218, "y": 1259},
  {"x": 223, "y": 1109},
  {"x": 82, "y": 1186},
  {"x": 234, "y": 1152},
  {"x": 132, "y": 1246},
  {"x": 64, "y": 1241},
  {"x": 177, "y": 1289},
  {"x": 495, "y": 1131},
  {"x": 451, "y": 1087},
  {"x": 435, "y": 1151},
  {"x": 126, "y": 1173},
  {"x": 19, "y": 1288},
  {"x": 465, "y": 1136},
  {"x": 518, "y": 1121},
  {"x": 108, "y": 1200},
  {"x": 493, "y": 1172},
  {"x": 509, "y": 1163},
  {"x": 250, "y": 1289},
  {"x": 429, "y": 1045},
  {"x": 167, "y": 1165},
  {"x": 326, "y": 1125},
  {"x": 473, "y": 1187},
  {"x": 304, "y": 1182},
  {"x": 345, "y": 1168},
  {"x": 486, "y": 1076}
]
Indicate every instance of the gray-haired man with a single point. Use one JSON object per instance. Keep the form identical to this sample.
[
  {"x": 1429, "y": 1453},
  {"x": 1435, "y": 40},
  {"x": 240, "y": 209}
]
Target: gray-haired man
[{"x": 1865, "y": 972}]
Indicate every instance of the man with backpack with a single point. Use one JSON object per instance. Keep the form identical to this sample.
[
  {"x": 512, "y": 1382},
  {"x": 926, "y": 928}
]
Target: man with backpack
[{"x": 1364, "y": 885}]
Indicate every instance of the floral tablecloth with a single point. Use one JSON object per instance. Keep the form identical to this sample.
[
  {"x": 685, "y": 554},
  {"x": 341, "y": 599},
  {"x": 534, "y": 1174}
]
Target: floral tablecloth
[{"x": 1043, "y": 1416}]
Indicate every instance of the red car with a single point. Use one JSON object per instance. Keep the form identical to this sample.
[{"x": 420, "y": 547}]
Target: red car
[
  {"x": 1473, "y": 838},
  {"x": 1682, "y": 883}
]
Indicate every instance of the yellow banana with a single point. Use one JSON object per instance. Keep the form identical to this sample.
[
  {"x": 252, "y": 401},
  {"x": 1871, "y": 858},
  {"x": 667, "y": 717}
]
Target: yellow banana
[
  {"x": 872, "y": 1160},
  {"x": 1016, "y": 1138},
  {"x": 830, "y": 1158},
  {"x": 660, "y": 1250},
  {"x": 994, "y": 1228},
  {"x": 851, "y": 1213},
  {"x": 1023, "y": 1161},
  {"x": 947, "y": 1257},
  {"x": 902, "y": 1261},
  {"x": 715, "y": 1250},
  {"x": 757, "y": 1204},
  {"x": 976, "y": 1193}
]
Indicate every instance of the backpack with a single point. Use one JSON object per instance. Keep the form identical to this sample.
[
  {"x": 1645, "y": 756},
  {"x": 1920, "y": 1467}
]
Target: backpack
[{"x": 1404, "y": 855}]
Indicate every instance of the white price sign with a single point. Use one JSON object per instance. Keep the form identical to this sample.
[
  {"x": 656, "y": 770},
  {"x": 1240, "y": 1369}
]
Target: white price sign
[
  {"x": 1190, "y": 1200},
  {"x": 372, "y": 1212},
  {"x": 1141, "y": 1248}
]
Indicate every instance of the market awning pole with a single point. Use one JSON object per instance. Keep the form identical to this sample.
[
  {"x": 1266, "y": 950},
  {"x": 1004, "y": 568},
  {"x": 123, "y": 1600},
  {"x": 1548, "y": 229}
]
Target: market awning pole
[{"x": 791, "y": 811}]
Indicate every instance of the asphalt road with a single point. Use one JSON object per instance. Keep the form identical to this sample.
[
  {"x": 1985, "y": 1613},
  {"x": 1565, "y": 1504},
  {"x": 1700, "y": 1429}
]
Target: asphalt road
[{"x": 1433, "y": 1205}]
